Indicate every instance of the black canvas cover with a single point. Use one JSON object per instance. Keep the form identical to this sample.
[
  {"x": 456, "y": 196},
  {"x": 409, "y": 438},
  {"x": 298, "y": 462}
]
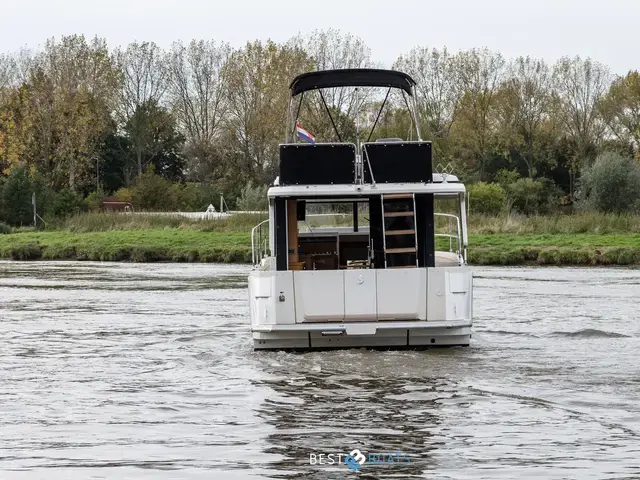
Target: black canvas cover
[
  {"x": 351, "y": 77},
  {"x": 319, "y": 164},
  {"x": 398, "y": 162}
]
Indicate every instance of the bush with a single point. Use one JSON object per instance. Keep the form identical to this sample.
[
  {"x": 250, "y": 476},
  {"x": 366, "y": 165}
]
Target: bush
[
  {"x": 153, "y": 192},
  {"x": 4, "y": 228},
  {"x": 124, "y": 195},
  {"x": 253, "y": 198},
  {"x": 194, "y": 197},
  {"x": 486, "y": 198},
  {"x": 530, "y": 196},
  {"x": 611, "y": 184},
  {"x": 506, "y": 177},
  {"x": 94, "y": 201},
  {"x": 67, "y": 203}
]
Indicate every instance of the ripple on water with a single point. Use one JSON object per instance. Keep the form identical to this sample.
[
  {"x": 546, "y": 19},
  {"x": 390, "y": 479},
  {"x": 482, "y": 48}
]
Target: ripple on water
[{"x": 136, "y": 371}]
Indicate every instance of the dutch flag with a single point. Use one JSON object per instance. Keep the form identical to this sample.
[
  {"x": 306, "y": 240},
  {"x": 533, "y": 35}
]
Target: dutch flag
[{"x": 304, "y": 134}]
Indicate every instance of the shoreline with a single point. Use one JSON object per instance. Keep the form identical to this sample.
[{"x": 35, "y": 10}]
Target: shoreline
[{"x": 176, "y": 245}]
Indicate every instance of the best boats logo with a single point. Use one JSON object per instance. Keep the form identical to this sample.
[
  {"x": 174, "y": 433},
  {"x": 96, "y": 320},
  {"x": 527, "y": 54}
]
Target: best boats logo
[{"x": 355, "y": 460}]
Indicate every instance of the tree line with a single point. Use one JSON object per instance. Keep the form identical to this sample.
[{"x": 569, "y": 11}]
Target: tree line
[{"x": 82, "y": 117}]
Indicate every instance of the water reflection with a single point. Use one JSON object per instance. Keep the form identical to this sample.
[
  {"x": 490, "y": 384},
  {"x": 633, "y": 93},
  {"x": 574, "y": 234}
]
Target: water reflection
[{"x": 394, "y": 409}]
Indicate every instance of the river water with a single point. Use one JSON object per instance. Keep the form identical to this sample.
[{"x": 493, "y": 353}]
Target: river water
[{"x": 147, "y": 371}]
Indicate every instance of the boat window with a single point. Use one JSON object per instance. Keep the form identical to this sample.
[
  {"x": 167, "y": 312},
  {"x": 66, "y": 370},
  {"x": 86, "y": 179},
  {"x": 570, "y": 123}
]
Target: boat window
[
  {"x": 333, "y": 235},
  {"x": 337, "y": 216}
]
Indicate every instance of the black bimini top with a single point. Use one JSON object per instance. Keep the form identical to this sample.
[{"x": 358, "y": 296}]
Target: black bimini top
[{"x": 351, "y": 77}]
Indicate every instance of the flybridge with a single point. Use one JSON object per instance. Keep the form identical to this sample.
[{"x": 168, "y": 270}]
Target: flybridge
[{"x": 385, "y": 160}]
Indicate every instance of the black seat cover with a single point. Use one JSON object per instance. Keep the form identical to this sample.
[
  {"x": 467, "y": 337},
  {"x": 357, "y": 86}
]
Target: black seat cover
[
  {"x": 319, "y": 164},
  {"x": 398, "y": 162}
]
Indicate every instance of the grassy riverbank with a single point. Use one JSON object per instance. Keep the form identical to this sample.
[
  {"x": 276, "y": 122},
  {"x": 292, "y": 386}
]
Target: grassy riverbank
[
  {"x": 171, "y": 245},
  {"x": 585, "y": 239},
  {"x": 555, "y": 249}
]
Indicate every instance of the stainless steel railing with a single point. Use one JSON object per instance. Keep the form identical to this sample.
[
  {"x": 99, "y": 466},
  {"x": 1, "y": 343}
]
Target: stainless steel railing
[
  {"x": 259, "y": 242},
  {"x": 451, "y": 236}
]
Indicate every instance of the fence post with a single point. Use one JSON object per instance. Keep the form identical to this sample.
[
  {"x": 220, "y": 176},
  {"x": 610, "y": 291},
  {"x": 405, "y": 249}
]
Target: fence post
[{"x": 35, "y": 214}]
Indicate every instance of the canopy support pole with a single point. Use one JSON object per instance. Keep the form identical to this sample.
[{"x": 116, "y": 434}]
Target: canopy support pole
[
  {"x": 330, "y": 117},
  {"x": 295, "y": 120},
  {"x": 379, "y": 113}
]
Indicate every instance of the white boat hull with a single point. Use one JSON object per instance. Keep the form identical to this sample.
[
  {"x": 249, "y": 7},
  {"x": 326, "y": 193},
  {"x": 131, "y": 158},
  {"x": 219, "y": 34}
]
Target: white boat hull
[{"x": 377, "y": 308}]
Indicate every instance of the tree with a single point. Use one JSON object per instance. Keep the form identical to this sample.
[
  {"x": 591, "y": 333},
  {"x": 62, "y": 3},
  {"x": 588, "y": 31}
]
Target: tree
[
  {"x": 115, "y": 161},
  {"x": 16, "y": 198},
  {"x": 480, "y": 73},
  {"x": 439, "y": 92},
  {"x": 12, "y": 141},
  {"x": 258, "y": 77},
  {"x": 64, "y": 108},
  {"x": 523, "y": 112},
  {"x": 620, "y": 108},
  {"x": 329, "y": 50},
  {"x": 199, "y": 97},
  {"x": 579, "y": 86},
  {"x": 612, "y": 184},
  {"x": 8, "y": 73},
  {"x": 31, "y": 131},
  {"x": 145, "y": 81},
  {"x": 396, "y": 122},
  {"x": 153, "y": 139}
]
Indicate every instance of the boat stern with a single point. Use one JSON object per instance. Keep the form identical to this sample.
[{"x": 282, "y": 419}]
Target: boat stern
[{"x": 391, "y": 308}]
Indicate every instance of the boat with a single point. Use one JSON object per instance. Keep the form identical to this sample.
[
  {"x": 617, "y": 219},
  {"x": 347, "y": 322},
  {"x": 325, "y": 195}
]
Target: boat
[{"x": 396, "y": 276}]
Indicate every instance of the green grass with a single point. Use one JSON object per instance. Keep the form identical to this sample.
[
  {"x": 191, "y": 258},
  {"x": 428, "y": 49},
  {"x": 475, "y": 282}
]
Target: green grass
[
  {"x": 169, "y": 245},
  {"x": 558, "y": 249},
  {"x": 580, "y": 239}
]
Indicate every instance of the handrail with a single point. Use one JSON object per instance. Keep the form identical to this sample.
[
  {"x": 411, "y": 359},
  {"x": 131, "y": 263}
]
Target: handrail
[
  {"x": 258, "y": 249},
  {"x": 449, "y": 235},
  {"x": 257, "y": 228}
]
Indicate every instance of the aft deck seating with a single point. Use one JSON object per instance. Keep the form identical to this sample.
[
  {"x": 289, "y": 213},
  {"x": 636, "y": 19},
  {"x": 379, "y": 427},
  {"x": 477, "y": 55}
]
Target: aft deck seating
[
  {"x": 319, "y": 164},
  {"x": 397, "y": 162}
]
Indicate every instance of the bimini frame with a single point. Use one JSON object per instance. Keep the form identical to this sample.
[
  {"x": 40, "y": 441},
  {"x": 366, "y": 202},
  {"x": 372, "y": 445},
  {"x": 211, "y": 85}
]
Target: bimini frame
[{"x": 350, "y": 77}]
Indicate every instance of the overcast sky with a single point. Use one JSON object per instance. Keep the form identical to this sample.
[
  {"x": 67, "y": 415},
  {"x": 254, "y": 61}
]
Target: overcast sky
[{"x": 607, "y": 31}]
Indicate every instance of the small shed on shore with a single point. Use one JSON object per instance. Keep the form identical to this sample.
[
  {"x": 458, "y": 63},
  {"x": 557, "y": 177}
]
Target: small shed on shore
[{"x": 112, "y": 204}]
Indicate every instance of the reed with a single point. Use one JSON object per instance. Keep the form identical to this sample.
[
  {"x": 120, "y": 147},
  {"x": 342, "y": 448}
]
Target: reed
[
  {"x": 583, "y": 222},
  {"x": 103, "y": 222}
]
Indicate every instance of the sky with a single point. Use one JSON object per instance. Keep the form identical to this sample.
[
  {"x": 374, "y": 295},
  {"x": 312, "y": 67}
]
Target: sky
[{"x": 549, "y": 29}]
